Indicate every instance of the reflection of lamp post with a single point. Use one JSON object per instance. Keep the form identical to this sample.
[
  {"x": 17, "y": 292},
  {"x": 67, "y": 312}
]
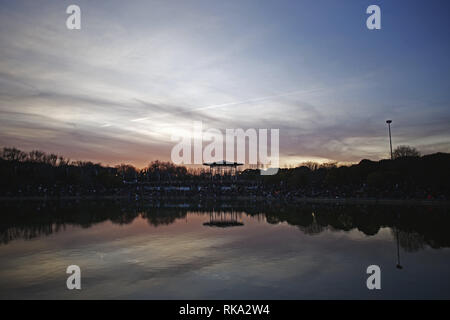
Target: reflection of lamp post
[
  {"x": 399, "y": 266},
  {"x": 390, "y": 139}
]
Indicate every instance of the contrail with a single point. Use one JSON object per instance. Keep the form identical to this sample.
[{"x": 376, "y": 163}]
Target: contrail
[
  {"x": 232, "y": 103},
  {"x": 249, "y": 100}
]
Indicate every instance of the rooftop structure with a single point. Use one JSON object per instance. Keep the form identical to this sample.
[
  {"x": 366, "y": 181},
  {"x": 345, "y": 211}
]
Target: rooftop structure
[{"x": 223, "y": 167}]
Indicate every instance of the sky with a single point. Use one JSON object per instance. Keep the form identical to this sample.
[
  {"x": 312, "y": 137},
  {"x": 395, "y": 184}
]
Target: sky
[{"x": 139, "y": 72}]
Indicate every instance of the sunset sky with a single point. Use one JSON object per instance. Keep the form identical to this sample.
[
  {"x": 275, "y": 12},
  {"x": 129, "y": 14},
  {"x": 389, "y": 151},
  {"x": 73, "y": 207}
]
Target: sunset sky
[{"x": 139, "y": 71}]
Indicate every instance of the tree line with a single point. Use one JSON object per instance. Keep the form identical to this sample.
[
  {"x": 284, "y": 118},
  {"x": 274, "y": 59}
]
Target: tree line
[{"x": 408, "y": 174}]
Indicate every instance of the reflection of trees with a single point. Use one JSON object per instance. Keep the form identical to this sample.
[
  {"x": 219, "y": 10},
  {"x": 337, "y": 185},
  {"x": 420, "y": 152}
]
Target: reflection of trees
[
  {"x": 24, "y": 232},
  {"x": 312, "y": 229},
  {"x": 33, "y": 219},
  {"x": 27, "y": 220},
  {"x": 416, "y": 226},
  {"x": 409, "y": 241},
  {"x": 157, "y": 216}
]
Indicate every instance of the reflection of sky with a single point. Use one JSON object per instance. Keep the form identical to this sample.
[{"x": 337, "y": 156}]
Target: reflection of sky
[
  {"x": 116, "y": 90},
  {"x": 188, "y": 260}
]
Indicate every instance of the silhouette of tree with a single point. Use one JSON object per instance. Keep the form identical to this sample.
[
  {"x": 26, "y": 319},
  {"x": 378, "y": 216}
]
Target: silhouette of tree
[
  {"x": 126, "y": 172},
  {"x": 13, "y": 154},
  {"x": 405, "y": 151},
  {"x": 311, "y": 165}
]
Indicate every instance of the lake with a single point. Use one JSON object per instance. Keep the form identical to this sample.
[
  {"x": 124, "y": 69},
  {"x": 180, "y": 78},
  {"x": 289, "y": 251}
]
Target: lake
[{"x": 245, "y": 250}]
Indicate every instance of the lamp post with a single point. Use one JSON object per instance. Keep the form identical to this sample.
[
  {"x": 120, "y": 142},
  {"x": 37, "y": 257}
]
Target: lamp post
[
  {"x": 398, "y": 266},
  {"x": 390, "y": 138}
]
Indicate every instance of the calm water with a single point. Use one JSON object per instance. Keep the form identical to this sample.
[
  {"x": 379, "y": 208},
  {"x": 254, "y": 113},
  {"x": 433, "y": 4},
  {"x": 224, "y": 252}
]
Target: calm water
[{"x": 219, "y": 251}]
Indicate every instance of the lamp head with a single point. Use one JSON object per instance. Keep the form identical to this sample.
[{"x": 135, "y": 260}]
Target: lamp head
[{"x": 389, "y": 121}]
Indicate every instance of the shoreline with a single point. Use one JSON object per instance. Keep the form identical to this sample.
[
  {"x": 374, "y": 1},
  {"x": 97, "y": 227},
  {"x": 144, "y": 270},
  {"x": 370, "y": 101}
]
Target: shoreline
[{"x": 368, "y": 201}]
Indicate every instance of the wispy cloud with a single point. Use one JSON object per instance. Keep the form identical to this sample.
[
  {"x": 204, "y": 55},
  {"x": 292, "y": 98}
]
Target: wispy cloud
[{"x": 116, "y": 90}]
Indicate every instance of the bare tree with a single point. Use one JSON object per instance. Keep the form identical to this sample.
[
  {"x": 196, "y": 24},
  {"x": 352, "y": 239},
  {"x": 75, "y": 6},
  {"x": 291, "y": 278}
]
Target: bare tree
[
  {"x": 13, "y": 154},
  {"x": 405, "y": 151},
  {"x": 311, "y": 165}
]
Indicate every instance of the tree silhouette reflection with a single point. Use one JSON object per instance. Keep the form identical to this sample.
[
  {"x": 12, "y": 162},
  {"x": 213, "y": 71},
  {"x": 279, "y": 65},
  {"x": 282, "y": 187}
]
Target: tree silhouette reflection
[{"x": 412, "y": 227}]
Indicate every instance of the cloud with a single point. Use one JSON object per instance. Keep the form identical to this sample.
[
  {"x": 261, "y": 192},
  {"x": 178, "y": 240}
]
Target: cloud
[{"x": 135, "y": 74}]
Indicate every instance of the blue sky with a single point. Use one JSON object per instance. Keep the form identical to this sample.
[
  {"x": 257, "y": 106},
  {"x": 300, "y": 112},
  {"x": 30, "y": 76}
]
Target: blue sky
[{"x": 139, "y": 71}]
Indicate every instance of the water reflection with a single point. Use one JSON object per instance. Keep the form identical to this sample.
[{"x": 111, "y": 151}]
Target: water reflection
[
  {"x": 222, "y": 250},
  {"x": 412, "y": 227},
  {"x": 224, "y": 219}
]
